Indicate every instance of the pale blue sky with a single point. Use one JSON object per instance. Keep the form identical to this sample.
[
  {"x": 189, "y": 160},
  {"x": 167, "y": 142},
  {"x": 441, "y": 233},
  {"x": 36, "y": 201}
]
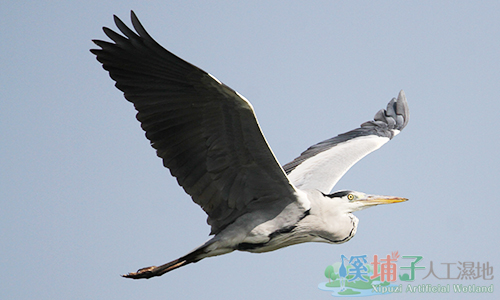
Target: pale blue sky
[{"x": 84, "y": 197}]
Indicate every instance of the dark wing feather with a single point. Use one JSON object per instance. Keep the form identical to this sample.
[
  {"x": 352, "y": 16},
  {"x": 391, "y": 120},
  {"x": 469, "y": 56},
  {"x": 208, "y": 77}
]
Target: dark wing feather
[{"x": 206, "y": 133}]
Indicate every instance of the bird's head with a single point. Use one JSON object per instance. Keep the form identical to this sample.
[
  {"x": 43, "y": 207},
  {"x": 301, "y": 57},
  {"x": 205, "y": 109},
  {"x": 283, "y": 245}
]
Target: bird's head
[{"x": 351, "y": 201}]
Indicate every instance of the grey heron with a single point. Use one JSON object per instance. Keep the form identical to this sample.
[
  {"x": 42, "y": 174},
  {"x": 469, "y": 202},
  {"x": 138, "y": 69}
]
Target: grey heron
[{"x": 208, "y": 137}]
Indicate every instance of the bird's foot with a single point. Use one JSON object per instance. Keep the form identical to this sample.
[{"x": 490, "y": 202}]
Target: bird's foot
[{"x": 142, "y": 273}]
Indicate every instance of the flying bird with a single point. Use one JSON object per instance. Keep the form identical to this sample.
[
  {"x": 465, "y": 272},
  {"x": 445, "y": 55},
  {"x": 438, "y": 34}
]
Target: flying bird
[{"x": 208, "y": 137}]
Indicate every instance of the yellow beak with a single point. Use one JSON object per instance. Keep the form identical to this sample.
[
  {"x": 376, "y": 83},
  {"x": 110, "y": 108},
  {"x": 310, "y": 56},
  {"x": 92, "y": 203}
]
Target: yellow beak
[{"x": 377, "y": 200}]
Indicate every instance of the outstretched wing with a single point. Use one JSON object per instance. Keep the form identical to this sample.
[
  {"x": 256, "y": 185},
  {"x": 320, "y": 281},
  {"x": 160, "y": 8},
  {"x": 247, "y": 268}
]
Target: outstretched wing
[
  {"x": 322, "y": 165},
  {"x": 206, "y": 133}
]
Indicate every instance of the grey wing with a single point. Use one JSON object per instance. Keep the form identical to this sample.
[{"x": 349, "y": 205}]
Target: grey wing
[
  {"x": 322, "y": 165},
  {"x": 206, "y": 133}
]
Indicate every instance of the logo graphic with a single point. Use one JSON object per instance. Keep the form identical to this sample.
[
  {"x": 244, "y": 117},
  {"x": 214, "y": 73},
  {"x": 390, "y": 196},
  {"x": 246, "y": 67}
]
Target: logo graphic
[{"x": 355, "y": 276}]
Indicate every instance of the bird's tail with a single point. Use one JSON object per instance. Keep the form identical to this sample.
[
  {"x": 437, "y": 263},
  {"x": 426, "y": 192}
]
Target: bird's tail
[{"x": 148, "y": 272}]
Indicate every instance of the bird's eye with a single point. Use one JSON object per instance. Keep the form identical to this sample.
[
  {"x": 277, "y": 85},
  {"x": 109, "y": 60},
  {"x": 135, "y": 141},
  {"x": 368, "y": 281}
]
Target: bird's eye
[{"x": 350, "y": 197}]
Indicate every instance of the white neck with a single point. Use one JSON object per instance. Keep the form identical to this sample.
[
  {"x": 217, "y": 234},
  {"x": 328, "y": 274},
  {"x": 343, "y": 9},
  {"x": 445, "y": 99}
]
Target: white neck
[{"x": 329, "y": 219}]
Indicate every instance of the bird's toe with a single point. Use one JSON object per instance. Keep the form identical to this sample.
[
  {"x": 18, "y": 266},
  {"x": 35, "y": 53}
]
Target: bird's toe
[{"x": 141, "y": 273}]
